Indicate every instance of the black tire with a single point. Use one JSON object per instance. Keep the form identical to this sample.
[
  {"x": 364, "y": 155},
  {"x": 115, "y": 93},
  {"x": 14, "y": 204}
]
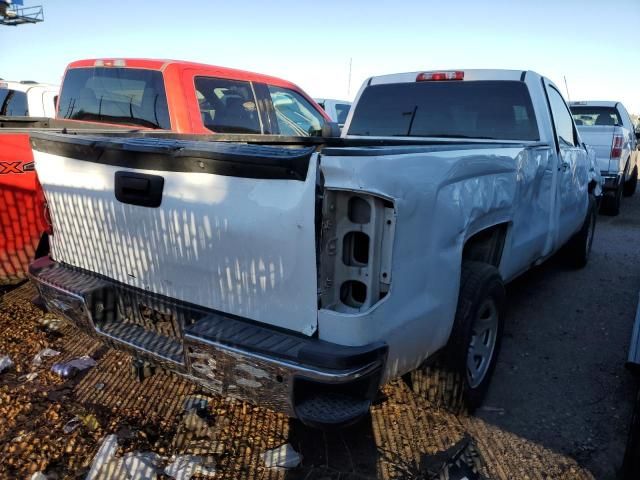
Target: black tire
[
  {"x": 578, "y": 249},
  {"x": 445, "y": 382},
  {"x": 611, "y": 202},
  {"x": 630, "y": 185}
]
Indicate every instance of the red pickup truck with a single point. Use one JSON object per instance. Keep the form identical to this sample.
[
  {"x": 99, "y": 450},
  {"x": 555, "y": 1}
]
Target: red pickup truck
[{"x": 135, "y": 94}]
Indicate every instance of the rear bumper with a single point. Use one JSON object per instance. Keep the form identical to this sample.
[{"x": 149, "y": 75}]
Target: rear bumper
[{"x": 321, "y": 383}]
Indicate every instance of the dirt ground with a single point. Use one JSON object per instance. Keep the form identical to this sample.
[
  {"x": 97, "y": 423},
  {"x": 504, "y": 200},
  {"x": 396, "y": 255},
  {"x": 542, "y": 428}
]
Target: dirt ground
[{"x": 558, "y": 407}]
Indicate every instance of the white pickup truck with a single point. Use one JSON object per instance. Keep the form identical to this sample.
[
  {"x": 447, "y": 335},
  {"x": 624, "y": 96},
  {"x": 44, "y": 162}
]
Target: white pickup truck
[
  {"x": 28, "y": 99},
  {"x": 301, "y": 274},
  {"x": 609, "y": 130}
]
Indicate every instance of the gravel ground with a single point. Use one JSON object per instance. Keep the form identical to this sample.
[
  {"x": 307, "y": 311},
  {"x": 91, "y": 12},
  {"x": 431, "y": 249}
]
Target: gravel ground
[{"x": 558, "y": 407}]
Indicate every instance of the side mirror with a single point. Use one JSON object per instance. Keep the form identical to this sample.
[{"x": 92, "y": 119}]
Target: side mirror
[{"x": 330, "y": 129}]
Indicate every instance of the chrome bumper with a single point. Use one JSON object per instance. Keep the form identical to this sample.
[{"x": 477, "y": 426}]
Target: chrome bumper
[{"x": 322, "y": 384}]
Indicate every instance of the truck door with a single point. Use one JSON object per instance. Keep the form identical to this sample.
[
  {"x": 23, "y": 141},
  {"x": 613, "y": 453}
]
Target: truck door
[{"x": 572, "y": 197}]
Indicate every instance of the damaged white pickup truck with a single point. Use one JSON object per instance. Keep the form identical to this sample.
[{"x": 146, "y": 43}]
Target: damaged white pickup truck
[{"x": 301, "y": 274}]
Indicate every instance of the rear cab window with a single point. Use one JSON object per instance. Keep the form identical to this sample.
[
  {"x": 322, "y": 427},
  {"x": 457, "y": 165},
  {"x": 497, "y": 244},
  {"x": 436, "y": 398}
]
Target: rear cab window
[
  {"x": 294, "y": 114},
  {"x": 590, "y": 116},
  {"x": 227, "y": 106},
  {"x": 500, "y": 110},
  {"x": 13, "y": 103},
  {"x": 127, "y": 96},
  {"x": 342, "y": 111}
]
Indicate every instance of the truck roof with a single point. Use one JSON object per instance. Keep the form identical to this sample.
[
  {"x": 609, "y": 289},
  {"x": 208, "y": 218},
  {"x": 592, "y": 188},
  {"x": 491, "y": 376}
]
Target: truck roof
[
  {"x": 162, "y": 64},
  {"x": 26, "y": 85},
  {"x": 469, "y": 74},
  {"x": 594, "y": 103}
]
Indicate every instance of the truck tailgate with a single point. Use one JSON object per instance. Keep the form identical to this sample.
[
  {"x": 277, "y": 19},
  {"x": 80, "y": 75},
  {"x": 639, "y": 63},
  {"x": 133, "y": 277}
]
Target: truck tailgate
[
  {"x": 600, "y": 138},
  {"x": 223, "y": 226}
]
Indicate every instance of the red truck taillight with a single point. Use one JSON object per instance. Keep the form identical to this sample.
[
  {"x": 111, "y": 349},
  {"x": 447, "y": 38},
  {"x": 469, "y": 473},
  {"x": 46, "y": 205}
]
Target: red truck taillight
[
  {"x": 43, "y": 207},
  {"x": 439, "y": 76},
  {"x": 616, "y": 146}
]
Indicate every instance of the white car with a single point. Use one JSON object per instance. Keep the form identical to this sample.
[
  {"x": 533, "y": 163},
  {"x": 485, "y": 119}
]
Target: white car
[
  {"x": 28, "y": 99},
  {"x": 338, "y": 110},
  {"x": 303, "y": 274}
]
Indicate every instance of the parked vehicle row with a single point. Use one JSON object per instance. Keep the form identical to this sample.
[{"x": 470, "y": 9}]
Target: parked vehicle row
[{"x": 303, "y": 273}]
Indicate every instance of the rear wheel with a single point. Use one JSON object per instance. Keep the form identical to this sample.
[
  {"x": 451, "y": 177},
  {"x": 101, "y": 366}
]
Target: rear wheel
[
  {"x": 611, "y": 201},
  {"x": 459, "y": 378},
  {"x": 631, "y": 184},
  {"x": 578, "y": 248}
]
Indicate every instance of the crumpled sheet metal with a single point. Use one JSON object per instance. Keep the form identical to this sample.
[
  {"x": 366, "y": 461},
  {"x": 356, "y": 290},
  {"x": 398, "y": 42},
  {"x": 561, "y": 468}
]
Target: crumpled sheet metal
[{"x": 442, "y": 198}]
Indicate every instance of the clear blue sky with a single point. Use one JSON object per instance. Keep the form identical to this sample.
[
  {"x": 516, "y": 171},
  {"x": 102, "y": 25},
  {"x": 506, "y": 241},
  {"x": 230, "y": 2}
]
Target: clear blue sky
[{"x": 595, "y": 44}]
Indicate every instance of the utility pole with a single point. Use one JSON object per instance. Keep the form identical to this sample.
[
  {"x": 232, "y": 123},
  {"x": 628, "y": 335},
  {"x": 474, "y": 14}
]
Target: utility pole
[
  {"x": 566, "y": 86},
  {"x": 349, "y": 85}
]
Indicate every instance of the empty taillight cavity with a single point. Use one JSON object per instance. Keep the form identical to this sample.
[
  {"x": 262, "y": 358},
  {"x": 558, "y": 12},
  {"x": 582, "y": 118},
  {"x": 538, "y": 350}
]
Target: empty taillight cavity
[
  {"x": 353, "y": 293},
  {"x": 359, "y": 210},
  {"x": 355, "y": 251},
  {"x": 616, "y": 146}
]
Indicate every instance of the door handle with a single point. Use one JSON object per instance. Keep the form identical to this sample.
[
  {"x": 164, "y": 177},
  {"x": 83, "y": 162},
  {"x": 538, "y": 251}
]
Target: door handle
[
  {"x": 564, "y": 166},
  {"x": 139, "y": 189}
]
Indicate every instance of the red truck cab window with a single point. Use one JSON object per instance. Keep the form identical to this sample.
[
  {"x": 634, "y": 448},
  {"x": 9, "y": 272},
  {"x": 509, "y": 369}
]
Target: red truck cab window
[
  {"x": 227, "y": 106},
  {"x": 127, "y": 96}
]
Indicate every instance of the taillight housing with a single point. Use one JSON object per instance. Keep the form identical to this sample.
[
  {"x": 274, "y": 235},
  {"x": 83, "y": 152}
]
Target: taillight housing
[
  {"x": 43, "y": 208},
  {"x": 356, "y": 241},
  {"x": 616, "y": 146},
  {"x": 440, "y": 76}
]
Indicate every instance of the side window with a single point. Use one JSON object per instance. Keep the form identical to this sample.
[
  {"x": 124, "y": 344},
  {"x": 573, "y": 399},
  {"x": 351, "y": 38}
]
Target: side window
[
  {"x": 296, "y": 116},
  {"x": 15, "y": 104},
  {"x": 561, "y": 118},
  {"x": 227, "y": 106}
]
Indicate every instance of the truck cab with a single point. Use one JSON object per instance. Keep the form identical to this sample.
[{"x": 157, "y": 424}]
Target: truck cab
[
  {"x": 186, "y": 97},
  {"x": 27, "y": 98},
  {"x": 607, "y": 127}
]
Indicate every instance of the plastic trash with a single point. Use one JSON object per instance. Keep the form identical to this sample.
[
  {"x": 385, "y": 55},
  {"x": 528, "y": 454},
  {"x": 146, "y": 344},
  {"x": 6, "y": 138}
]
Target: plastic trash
[
  {"x": 186, "y": 466},
  {"x": 283, "y": 457},
  {"x": 73, "y": 367},
  {"x": 195, "y": 402},
  {"x": 42, "y": 354},
  {"x": 39, "y": 476},
  {"x": 72, "y": 424},
  {"x": 29, "y": 377},
  {"x": 105, "y": 454},
  {"x": 5, "y": 363},
  {"x": 142, "y": 465}
]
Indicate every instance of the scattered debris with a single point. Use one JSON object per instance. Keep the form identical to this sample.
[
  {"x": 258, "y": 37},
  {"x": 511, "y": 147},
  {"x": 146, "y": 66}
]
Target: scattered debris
[
  {"x": 73, "y": 367},
  {"x": 195, "y": 402},
  {"x": 142, "y": 465},
  {"x": 459, "y": 462},
  {"x": 282, "y": 457},
  {"x": 42, "y": 354},
  {"x": 99, "y": 386},
  {"x": 105, "y": 454},
  {"x": 90, "y": 421},
  {"x": 28, "y": 377},
  {"x": 72, "y": 424},
  {"x": 5, "y": 363},
  {"x": 39, "y": 476},
  {"x": 185, "y": 466},
  {"x": 488, "y": 408}
]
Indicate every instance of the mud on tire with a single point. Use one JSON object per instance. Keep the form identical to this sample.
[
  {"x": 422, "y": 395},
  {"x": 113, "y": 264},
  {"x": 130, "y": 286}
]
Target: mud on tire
[{"x": 445, "y": 382}]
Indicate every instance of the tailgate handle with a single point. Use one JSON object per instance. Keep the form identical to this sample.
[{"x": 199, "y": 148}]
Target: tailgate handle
[{"x": 139, "y": 189}]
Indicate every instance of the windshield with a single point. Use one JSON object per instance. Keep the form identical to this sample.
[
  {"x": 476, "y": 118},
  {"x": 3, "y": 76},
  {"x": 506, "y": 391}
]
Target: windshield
[
  {"x": 456, "y": 109},
  {"x": 589, "y": 116},
  {"x": 115, "y": 95}
]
